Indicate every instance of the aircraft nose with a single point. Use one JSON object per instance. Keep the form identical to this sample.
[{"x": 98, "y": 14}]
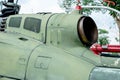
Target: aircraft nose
[{"x": 103, "y": 73}]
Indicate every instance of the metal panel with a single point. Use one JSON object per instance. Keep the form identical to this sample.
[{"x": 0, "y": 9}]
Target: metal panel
[
  {"x": 101, "y": 73},
  {"x": 42, "y": 62}
]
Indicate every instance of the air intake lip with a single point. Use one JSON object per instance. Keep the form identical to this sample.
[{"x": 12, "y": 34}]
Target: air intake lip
[{"x": 87, "y": 30}]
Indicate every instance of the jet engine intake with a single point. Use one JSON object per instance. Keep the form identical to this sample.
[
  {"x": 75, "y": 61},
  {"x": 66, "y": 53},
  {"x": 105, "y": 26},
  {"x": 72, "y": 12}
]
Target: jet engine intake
[{"x": 87, "y": 30}]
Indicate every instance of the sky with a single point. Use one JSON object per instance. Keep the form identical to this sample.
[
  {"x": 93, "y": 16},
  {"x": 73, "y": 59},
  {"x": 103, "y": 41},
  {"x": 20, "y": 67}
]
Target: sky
[
  {"x": 35, "y": 6},
  {"x": 105, "y": 21}
]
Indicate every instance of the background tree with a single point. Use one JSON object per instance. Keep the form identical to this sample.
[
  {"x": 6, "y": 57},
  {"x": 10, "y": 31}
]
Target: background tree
[
  {"x": 103, "y": 37},
  {"x": 68, "y": 4},
  {"x": 116, "y": 5}
]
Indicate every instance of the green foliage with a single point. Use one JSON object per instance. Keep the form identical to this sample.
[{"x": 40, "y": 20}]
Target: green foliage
[
  {"x": 102, "y": 31},
  {"x": 116, "y": 6},
  {"x": 89, "y": 2},
  {"x": 117, "y": 39},
  {"x": 66, "y": 4},
  {"x": 103, "y": 40},
  {"x": 103, "y": 37}
]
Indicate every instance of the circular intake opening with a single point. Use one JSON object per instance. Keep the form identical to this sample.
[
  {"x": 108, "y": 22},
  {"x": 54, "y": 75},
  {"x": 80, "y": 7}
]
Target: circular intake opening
[{"x": 87, "y": 30}]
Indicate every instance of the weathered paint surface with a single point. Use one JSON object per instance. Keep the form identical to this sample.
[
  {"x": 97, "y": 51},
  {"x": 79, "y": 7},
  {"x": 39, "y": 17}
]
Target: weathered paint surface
[{"x": 48, "y": 47}]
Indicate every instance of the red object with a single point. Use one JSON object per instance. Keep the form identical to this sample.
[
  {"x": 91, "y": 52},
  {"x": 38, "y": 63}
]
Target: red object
[
  {"x": 78, "y": 7},
  {"x": 97, "y": 49},
  {"x": 109, "y": 2}
]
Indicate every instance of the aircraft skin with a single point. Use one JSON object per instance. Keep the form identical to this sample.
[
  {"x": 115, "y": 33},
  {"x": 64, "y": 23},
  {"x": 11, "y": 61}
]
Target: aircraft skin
[{"x": 50, "y": 47}]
